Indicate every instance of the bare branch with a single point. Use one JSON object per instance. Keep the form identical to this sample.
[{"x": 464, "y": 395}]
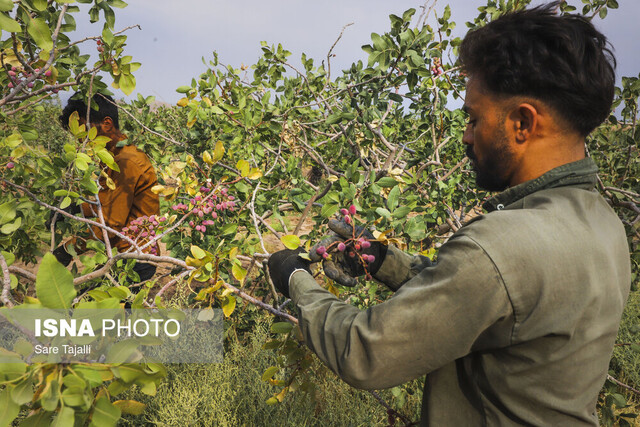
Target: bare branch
[{"x": 6, "y": 283}]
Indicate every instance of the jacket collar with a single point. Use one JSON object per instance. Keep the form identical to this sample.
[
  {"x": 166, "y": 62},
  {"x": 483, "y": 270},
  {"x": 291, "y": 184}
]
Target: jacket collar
[{"x": 580, "y": 174}]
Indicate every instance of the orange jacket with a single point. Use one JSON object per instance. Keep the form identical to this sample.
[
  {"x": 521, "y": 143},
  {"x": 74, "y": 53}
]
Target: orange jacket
[{"x": 132, "y": 196}]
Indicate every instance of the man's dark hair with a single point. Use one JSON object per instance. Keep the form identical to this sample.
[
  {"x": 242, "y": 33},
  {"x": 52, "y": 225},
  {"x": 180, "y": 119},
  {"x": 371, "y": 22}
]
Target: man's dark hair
[
  {"x": 101, "y": 106},
  {"x": 561, "y": 60}
]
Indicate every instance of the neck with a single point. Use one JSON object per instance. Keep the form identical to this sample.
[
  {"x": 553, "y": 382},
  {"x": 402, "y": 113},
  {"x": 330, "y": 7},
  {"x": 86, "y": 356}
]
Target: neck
[{"x": 545, "y": 155}]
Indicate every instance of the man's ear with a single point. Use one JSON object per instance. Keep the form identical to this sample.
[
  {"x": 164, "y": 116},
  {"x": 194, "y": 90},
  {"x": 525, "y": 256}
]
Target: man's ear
[
  {"x": 107, "y": 125},
  {"x": 525, "y": 121}
]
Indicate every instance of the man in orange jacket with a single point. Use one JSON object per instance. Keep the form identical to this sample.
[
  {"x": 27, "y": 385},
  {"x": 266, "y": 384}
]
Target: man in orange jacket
[{"x": 132, "y": 197}]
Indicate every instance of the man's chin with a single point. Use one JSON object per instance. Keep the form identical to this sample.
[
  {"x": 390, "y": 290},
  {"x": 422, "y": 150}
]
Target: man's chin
[{"x": 490, "y": 183}]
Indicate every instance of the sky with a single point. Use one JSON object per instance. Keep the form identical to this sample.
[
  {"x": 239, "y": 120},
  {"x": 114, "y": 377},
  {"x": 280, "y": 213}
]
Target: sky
[{"x": 176, "y": 36}]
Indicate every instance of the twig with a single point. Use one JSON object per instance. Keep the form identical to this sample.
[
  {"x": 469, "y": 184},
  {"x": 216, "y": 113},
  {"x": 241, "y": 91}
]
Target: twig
[
  {"x": 34, "y": 76},
  {"x": 171, "y": 140},
  {"x": 329, "y": 54},
  {"x": 68, "y": 215},
  {"x": 259, "y": 303},
  {"x": 171, "y": 283},
  {"x": 380, "y": 400},
  {"x": 623, "y": 385},
  {"x": 137, "y": 256},
  {"x": 307, "y": 209},
  {"x": 22, "y": 272},
  {"x": 6, "y": 286}
]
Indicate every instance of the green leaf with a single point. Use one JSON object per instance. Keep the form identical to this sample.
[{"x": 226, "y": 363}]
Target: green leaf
[
  {"x": 39, "y": 419},
  {"x": 127, "y": 83},
  {"x": 281, "y": 328},
  {"x": 392, "y": 200},
  {"x": 395, "y": 97},
  {"x": 183, "y": 89},
  {"x": 40, "y": 32},
  {"x": 118, "y": 3},
  {"x": 105, "y": 413},
  {"x": 269, "y": 373},
  {"x": 401, "y": 212},
  {"x": 54, "y": 284},
  {"x": 65, "y": 202},
  {"x": 619, "y": 400},
  {"x": 8, "y": 257},
  {"x": 383, "y": 213},
  {"x": 9, "y": 25},
  {"x": 197, "y": 252},
  {"x": 10, "y": 228},
  {"x": 387, "y": 182},
  {"x": 7, "y": 212},
  {"x": 65, "y": 418},
  {"x": 290, "y": 241},
  {"x": 334, "y": 118},
  {"x": 40, "y": 5},
  {"x": 378, "y": 42},
  {"x": 8, "y": 408},
  {"x": 22, "y": 392},
  {"x": 6, "y": 5},
  {"x": 329, "y": 209}
]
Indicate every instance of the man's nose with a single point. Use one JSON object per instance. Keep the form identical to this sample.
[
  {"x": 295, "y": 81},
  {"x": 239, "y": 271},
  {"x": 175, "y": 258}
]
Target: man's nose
[{"x": 467, "y": 136}]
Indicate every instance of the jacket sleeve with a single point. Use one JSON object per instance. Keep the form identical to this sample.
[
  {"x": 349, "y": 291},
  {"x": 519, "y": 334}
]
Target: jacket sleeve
[
  {"x": 441, "y": 314},
  {"x": 399, "y": 267},
  {"x": 116, "y": 203}
]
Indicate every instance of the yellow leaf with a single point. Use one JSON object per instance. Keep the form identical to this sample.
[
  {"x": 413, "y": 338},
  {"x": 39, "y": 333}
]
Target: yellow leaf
[
  {"x": 197, "y": 252},
  {"x": 290, "y": 241},
  {"x": 175, "y": 168},
  {"x": 233, "y": 252},
  {"x": 157, "y": 189},
  {"x": 333, "y": 290},
  {"x": 168, "y": 191},
  {"x": 191, "y": 123},
  {"x": 74, "y": 123},
  {"x": 255, "y": 173},
  {"x": 238, "y": 272},
  {"x": 280, "y": 396},
  {"x": 217, "y": 286},
  {"x": 207, "y": 101},
  {"x": 183, "y": 102},
  {"x": 193, "y": 262},
  {"x": 271, "y": 401},
  {"x": 218, "y": 152},
  {"x": 111, "y": 184},
  {"x": 229, "y": 305},
  {"x": 244, "y": 167},
  {"x": 332, "y": 178},
  {"x": 131, "y": 407},
  {"x": 207, "y": 157}
]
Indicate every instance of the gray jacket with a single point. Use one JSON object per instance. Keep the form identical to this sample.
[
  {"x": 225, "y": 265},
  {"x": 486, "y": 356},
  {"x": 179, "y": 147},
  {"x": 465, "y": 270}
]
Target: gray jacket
[{"x": 515, "y": 323}]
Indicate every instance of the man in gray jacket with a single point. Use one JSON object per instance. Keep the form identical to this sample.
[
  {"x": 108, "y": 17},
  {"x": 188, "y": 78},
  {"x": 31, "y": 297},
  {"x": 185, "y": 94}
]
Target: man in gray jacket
[{"x": 515, "y": 323}]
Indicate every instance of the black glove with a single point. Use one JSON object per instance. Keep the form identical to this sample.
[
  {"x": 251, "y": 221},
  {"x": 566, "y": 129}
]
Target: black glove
[
  {"x": 62, "y": 255},
  {"x": 282, "y": 264},
  {"x": 343, "y": 266},
  {"x": 72, "y": 209}
]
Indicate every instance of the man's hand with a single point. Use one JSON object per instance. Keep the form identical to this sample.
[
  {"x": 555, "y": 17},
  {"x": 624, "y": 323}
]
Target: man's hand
[
  {"x": 344, "y": 266},
  {"x": 282, "y": 264},
  {"x": 72, "y": 209}
]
